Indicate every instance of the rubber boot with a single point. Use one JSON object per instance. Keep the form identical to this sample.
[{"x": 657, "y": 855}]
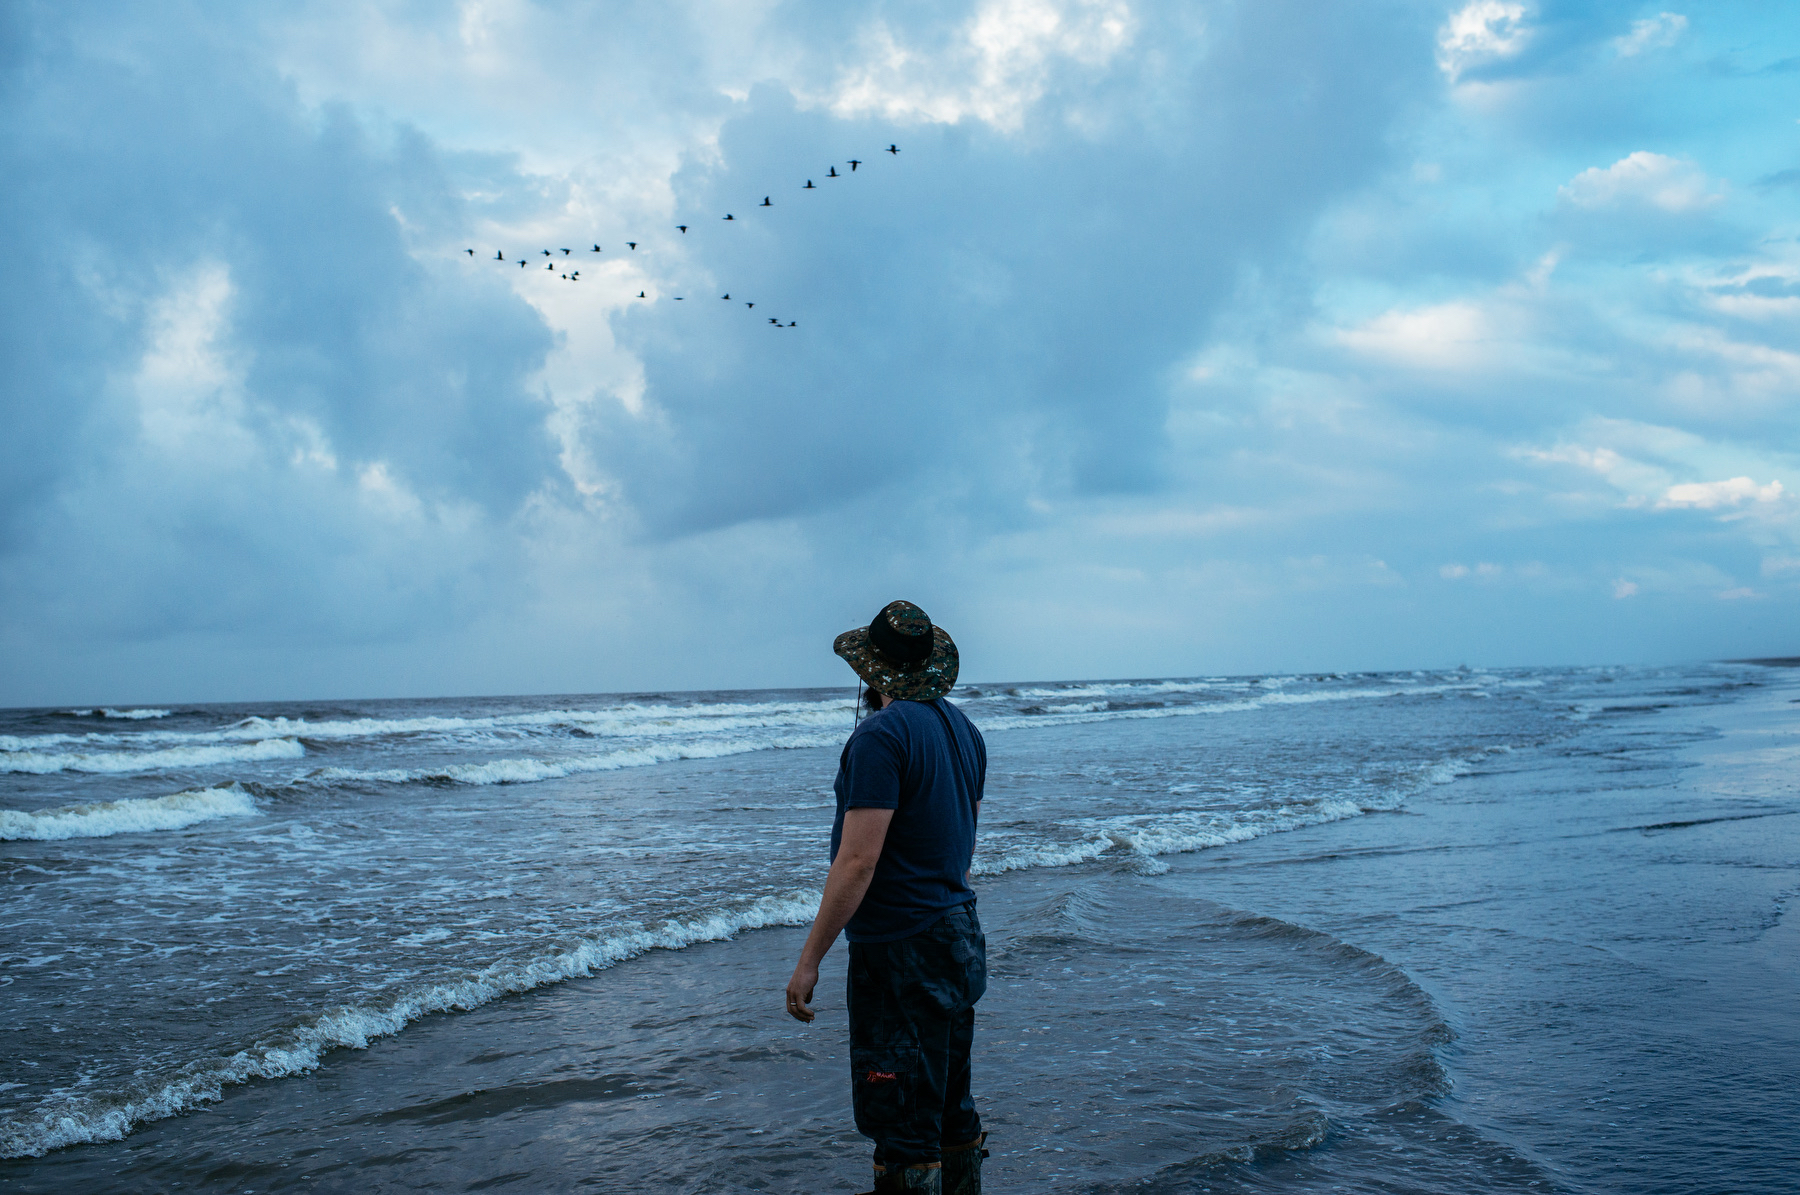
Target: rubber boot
[
  {"x": 962, "y": 1167},
  {"x": 927, "y": 1177}
]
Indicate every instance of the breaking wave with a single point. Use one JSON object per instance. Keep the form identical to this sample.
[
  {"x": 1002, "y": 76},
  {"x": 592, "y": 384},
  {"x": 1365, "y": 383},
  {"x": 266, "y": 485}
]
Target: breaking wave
[
  {"x": 530, "y": 770},
  {"x": 129, "y": 715},
  {"x": 75, "y": 1120},
  {"x": 1143, "y": 837},
  {"x": 629, "y": 720},
  {"x": 15, "y": 756},
  {"x": 132, "y": 816}
]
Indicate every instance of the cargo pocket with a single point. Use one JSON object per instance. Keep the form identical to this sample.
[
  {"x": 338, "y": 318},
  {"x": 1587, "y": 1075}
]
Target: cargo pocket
[{"x": 883, "y": 1085}]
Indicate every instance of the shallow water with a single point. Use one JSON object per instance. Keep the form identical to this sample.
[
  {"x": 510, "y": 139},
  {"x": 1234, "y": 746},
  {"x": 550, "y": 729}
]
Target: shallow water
[{"x": 1319, "y": 990}]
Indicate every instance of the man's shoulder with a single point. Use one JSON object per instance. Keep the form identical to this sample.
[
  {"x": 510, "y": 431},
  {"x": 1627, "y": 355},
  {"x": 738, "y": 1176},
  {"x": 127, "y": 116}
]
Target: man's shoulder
[
  {"x": 956, "y": 713},
  {"x": 899, "y": 722},
  {"x": 883, "y": 726}
]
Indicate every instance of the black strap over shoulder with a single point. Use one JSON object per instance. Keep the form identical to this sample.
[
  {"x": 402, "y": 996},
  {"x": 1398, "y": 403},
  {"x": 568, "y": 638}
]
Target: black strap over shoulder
[{"x": 968, "y": 775}]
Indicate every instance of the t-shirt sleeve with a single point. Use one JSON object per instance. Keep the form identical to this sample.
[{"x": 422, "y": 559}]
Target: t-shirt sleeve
[{"x": 873, "y": 764}]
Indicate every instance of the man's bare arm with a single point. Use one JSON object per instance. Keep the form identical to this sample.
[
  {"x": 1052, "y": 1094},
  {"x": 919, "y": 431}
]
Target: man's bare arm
[
  {"x": 969, "y": 875},
  {"x": 859, "y": 849}
]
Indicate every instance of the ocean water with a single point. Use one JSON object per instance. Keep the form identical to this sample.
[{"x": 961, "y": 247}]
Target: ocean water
[{"x": 1418, "y": 931}]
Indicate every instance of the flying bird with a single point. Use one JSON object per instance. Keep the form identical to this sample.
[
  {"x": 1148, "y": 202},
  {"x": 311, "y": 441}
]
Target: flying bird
[
  {"x": 750, "y": 304},
  {"x": 775, "y": 321},
  {"x": 682, "y": 227},
  {"x": 565, "y": 252},
  {"x": 640, "y": 294},
  {"x": 793, "y": 324},
  {"x": 765, "y": 202},
  {"x": 724, "y": 296},
  {"x": 521, "y": 263},
  {"x": 728, "y": 215},
  {"x": 633, "y": 244},
  {"x": 678, "y": 298},
  {"x": 854, "y": 163},
  {"x": 546, "y": 253},
  {"x": 470, "y": 252},
  {"x": 893, "y": 149},
  {"x": 809, "y": 186},
  {"x": 834, "y": 173},
  {"x": 596, "y": 248},
  {"x": 549, "y": 266},
  {"x": 499, "y": 256}
]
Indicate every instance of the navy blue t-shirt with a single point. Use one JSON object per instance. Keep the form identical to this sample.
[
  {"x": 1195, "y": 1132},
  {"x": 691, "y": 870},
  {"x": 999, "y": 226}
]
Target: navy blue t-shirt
[{"x": 901, "y": 759}]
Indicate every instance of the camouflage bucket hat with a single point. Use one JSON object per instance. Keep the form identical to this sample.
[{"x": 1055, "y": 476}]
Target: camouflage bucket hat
[{"x": 901, "y": 654}]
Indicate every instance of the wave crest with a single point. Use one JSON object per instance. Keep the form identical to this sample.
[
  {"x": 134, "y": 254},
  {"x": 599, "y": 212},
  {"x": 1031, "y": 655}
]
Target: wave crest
[
  {"x": 43, "y": 763},
  {"x": 63, "y": 1120},
  {"x": 136, "y": 715},
  {"x": 131, "y": 816}
]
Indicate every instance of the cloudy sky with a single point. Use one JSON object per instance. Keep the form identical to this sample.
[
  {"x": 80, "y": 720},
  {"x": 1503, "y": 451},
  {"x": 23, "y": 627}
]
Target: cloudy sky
[{"x": 1180, "y": 338}]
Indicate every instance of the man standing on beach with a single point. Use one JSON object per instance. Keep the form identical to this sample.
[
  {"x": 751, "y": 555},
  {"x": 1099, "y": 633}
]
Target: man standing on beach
[{"x": 909, "y": 788}]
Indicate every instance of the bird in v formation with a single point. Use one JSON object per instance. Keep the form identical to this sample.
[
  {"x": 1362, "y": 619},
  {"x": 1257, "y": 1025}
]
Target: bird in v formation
[{"x": 575, "y": 275}]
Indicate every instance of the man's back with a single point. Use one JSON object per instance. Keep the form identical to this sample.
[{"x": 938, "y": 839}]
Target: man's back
[
  {"x": 928, "y": 763},
  {"x": 908, "y": 793}
]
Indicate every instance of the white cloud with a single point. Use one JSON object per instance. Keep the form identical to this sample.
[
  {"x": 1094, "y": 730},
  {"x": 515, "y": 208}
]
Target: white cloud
[
  {"x": 1739, "y": 593},
  {"x": 1710, "y": 495},
  {"x": 1751, "y": 370},
  {"x": 1653, "y": 33},
  {"x": 1445, "y": 336},
  {"x": 1481, "y": 31},
  {"x": 1671, "y": 184},
  {"x": 996, "y": 69},
  {"x": 383, "y": 492},
  {"x": 1624, "y": 589},
  {"x": 188, "y": 392},
  {"x": 1484, "y": 571},
  {"x": 1635, "y": 478}
]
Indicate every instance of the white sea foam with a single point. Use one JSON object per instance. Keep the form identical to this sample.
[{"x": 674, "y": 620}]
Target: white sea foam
[
  {"x": 531, "y": 769},
  {"x": 74, "y": 1120},
  {"x": 528, "y": 770},
  {"x": 41, "y": 762},
  {"x": 1076, "y": 707},
  {"x": 730, "y": 722},
  {"x": 131, "y": 816},
  {"x": 643, "y": 733},
  {"x": 1160, "y": 834},
  {"x": 1150, "y": 835},
  {"x": 130, "y": 715},
  {"x": 1120, "y": 688},
  {"x": 629, "y": 720},
  {"x": 1076, "y": 714}
]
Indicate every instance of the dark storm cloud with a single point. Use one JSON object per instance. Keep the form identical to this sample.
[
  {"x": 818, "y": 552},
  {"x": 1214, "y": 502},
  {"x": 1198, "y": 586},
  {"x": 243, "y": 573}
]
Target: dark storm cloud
[
  {"x": 993, "y": 303},
  {"x": 139, "y": 155}
]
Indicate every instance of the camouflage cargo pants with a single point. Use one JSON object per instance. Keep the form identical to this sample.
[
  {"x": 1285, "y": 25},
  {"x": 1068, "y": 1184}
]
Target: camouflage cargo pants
[{"x": 912, "y": 1020}]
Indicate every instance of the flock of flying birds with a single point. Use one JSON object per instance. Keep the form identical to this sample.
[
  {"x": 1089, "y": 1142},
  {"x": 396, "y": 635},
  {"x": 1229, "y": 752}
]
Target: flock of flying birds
[{"x": 561, "y": 266}]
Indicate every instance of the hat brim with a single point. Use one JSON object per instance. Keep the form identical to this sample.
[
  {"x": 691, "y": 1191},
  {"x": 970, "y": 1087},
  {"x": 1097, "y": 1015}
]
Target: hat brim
[{"x": 926, "y": 682}]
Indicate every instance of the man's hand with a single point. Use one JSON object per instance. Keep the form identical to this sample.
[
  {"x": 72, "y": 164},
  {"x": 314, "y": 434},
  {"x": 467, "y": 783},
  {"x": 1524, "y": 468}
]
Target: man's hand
[
  {"x": 859, "y": 849},
  {"x": 800, "y": 991}
]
